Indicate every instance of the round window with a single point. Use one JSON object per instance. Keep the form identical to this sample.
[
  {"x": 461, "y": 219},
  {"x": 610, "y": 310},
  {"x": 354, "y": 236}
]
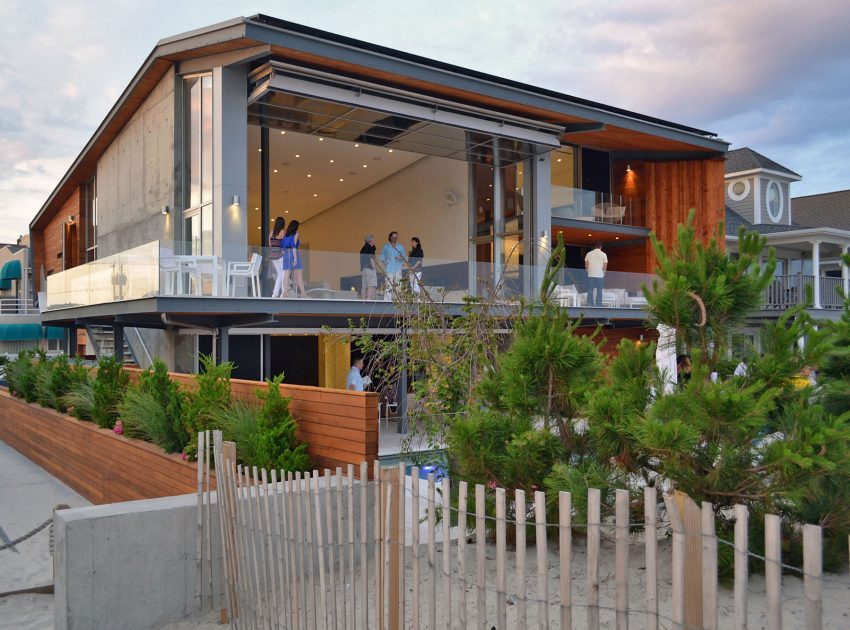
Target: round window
[
  {"x": 774, "y": 201},
  {"x": 739, "y": 189}
]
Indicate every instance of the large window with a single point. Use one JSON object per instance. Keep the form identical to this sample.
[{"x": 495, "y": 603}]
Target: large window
[
  {"x": 198, "y": 152},
  {"x": 90, "y": 213}
]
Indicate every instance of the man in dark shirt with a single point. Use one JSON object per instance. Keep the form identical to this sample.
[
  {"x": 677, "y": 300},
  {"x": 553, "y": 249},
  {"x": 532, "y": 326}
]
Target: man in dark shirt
[{"x": 368, "y": 274}]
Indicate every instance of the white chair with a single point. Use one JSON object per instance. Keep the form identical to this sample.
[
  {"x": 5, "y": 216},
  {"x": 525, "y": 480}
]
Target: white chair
[
  {"x": 171, "y": 274},
  {"x": 250, "y": 269},
  {"x": 618, "y": 296},
  {"x": 566, "y": 295}
]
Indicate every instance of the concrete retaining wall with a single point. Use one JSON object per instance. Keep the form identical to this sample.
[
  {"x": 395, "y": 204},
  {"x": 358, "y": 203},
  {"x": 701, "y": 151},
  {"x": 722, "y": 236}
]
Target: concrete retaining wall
[{"x": 128, "y": 565}]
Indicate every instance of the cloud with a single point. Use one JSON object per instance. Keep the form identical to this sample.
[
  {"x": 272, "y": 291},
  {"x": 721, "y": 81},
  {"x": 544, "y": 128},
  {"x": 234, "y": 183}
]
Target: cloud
[{"x": 770, "y": 74}]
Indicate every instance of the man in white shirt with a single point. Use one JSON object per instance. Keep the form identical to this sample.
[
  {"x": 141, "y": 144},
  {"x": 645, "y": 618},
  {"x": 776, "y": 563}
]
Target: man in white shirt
[
  {"x": 355, "y": 381},
  {"x": 596, "y": 264}
]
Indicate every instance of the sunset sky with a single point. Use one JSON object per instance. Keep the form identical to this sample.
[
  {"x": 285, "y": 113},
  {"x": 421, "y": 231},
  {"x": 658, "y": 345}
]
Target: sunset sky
[{"x": 771, "y": 75}]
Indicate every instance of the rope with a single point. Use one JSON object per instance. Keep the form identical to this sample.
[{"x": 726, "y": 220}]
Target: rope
[{"x": 29, "y": 534}]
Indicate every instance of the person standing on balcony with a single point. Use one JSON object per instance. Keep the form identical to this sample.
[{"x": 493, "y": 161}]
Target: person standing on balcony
[
  {"x": 276, "y": 255},
  {"x": 292, "y": 260},
  {"x": 415, "y": 257},
  {"x": 392, "y": 260},
  {"x": 596, "y": 264},
  {"x": 368, "y": 273},
  {"x": 354, "y": 381}
]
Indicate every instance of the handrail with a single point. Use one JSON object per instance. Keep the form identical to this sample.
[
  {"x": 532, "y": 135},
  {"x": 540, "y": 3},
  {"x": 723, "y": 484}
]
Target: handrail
[{"x": 17, "y": 306}]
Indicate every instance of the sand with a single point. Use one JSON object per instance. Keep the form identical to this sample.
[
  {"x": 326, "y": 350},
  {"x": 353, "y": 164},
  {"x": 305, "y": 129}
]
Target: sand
[{"x": 27, "y": 497}]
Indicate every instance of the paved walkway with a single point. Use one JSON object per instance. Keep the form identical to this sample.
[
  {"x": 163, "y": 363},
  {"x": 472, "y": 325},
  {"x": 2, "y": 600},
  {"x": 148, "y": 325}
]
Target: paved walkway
[{"x": 27, "y": 497}]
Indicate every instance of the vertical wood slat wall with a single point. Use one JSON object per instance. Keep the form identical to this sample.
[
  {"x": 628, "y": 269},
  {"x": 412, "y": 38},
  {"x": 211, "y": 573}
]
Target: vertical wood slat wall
[{"x": 339, "y": 426}]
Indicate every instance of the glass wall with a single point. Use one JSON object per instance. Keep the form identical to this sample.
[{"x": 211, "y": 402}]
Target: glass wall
[{"x": 198, "y": 152}]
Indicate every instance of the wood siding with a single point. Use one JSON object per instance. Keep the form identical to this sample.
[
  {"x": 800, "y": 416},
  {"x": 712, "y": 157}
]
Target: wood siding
[
  {"x": 48, "y": 242},
  {"x": 339, "y": 426},
  {"x": 609, "y": 338},
  {"x": 97, "y": 463},
  {"x": 673, "y": 188}
]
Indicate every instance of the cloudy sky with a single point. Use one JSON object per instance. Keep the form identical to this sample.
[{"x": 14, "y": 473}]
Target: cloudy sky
[{"x": 773, "y": 75}]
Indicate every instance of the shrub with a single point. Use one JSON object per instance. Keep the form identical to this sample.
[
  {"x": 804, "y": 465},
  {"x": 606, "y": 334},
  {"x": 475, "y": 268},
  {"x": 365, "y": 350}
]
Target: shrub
[
  {"x": 80, "y": 399},
  {"x": 54, "y": 379},
  {"x": 107, "y": 390},
  {"x": 239, "y": 423},
  {"x": 211, "y": 396},
  {"x": 155, "y": 383},
  {"x": 276, "y": 445},
  {"x": 144, "y": 417},
  {"x": 21, "y": 376}
]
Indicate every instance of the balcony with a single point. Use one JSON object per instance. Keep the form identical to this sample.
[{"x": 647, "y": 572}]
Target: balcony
[
  {"x": 788, "y": 291},
  {"x": 576, "y": 204},
  {"x": 150, "y": 271}
]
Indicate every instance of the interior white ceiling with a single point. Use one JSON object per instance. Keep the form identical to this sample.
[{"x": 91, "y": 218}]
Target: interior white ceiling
[{"x": 309, "y": 175}]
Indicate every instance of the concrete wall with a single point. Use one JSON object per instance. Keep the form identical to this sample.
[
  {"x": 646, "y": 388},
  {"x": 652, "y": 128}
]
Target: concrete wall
[
  {"x": 136, "y": 176},
  {"x": 127, "y": 565}
]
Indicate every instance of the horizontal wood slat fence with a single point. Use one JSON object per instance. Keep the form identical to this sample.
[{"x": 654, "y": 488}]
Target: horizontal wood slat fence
[
  {"x": 100, "y": 465},
  {"x": 340, "y": 427},
  {"x": 322, "y": 552}
]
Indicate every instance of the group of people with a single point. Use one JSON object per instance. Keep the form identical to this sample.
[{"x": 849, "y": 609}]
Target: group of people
[
  {"x": 392, "y": 262},
  {"x": 285, "y": 257}
]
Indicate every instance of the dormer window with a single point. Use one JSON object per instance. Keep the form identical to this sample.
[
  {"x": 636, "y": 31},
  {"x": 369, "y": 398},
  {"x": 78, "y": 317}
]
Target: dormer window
[
  {"x": 774, "y": 201},
  {"x": 738, "y": 189}
]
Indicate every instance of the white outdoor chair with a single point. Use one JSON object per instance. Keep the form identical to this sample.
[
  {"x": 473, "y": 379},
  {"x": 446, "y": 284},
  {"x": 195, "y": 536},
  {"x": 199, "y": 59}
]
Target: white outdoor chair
[
  {"x": 566, "y": 295},
  {"x": 249, "y": 269},
  {"x": 171, "y": 274}
]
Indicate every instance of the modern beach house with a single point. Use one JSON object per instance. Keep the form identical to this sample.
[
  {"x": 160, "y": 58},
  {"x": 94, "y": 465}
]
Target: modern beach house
[{"x": 154, "y": 241}]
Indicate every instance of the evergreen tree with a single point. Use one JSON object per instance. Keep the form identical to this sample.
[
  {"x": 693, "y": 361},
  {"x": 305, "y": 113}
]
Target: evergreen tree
[{"x": 835, "y": 366}]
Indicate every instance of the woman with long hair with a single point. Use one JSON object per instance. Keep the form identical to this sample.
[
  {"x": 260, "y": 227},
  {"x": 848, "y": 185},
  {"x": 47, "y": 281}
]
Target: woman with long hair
[
  {"x": 414, "y": 258},
  {"x": 292, "y": 259},
  {"x": 276, "y": 254}
]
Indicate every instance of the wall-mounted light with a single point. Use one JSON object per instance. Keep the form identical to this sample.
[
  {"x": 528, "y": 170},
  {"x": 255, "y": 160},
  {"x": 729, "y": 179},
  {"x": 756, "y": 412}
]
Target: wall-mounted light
[
  {"x": 628, "y": 168},
  {"x": 165, "y": 210},
  {"x": 70, "y": 218},
  {"x": 235, "y": 200}
]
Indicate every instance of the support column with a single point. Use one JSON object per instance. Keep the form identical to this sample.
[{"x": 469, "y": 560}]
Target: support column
[
  {"x": 538, "y": 232},
  {"x": 118, "y": 342},
  {"x": 845, "y": 271},
  {"x": 816, "y": 272},
  {"x": 223, "y": 354},
  {"x": 402, "y": 393},
  {"x": 267, "y": 357},
  {"x": 230, "y": 162},
  {"x": 71, "y": 338}
]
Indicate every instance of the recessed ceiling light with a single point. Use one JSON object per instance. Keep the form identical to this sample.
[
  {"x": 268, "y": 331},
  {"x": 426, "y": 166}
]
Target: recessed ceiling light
[
  {"x": 341, "y": 179},
  {"x": 275, "y": 170},
  {"x": 616, "y": 238},
  {"x": 260, "y": 150},
  {"x": 283, "y": 133},
  {"x": 259, "y": 227},
  {"x": 590, "y": 234},
  {"x": 256, "y": 208},
  {"x": 315, "y": 194},
  {"x": 559, "y": 159},
  {"x": 356, "y": 145},
  {"x": 296, "y": 155},
  {"x": 365, "y": 166},
  {"x": 490, "y": 185},
  {"x": 488, "y": 198},
  {"x": 391, "y": 150},
  {"x": 321, "y": 139},
  {"x": 309, "y": 175},
  {"x": 286, "y": 211},
  {"x": 332, "y": 161}
]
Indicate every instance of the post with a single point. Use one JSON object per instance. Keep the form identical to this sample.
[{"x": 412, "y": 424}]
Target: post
[
  {"x": 71, "y": 332},
  {"x": 773, "y": 571},
  {"x": 593, "y": 521},
  {"x": 812, "y": 571},
  {"x": 118, "y": 343},
  {"x": 845, "y": 271},
  {"x": 566, "y": 544},
  {"x": 691, "y": 519},
  {"x": 542, "y": 560},
  {"x": 622, "y": 559},
  {"x": 480, "y": 557},
  {"x": 650, "y": 535},
  {"x": 501, "y": 575},
  {"x": 741, "y": 569},
  {"x": 709, "y": 568},
  {"x": 678, "y": 563},
  {"x": 816, "y": 272},
  {"x": 519, "y": 509},
  {"x": 223, "y": 354}
]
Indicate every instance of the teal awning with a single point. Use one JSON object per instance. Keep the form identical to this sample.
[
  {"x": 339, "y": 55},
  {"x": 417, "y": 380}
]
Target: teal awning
[
  {"x": 54, "y": 332},
  {"x": 21, "y": 332},
  {"x": 11, "y": 270},
  {"x": 5, "y": 284},
  {"x": 30, "y": 332}
]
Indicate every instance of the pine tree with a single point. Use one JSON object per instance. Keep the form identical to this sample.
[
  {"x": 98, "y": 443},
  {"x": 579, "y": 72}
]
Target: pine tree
[{"x": 835, "y": 366}]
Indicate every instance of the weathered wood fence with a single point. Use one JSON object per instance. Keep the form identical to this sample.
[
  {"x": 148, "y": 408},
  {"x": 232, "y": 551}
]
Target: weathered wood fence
[{"x": 311, "y": 551}]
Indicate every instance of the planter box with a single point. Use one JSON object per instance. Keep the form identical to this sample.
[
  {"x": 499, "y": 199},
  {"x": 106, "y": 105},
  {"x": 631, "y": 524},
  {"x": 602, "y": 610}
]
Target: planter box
[{"x": 97, "y": 463}]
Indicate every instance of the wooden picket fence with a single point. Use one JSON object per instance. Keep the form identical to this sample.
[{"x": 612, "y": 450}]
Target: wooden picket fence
[{"x": 304, "y": 551}]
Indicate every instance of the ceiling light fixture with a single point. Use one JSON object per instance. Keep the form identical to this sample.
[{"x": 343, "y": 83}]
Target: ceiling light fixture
[
  {"x": 365, "y": 166},
  {"x": 260, "y": 150},
  {"x": 315, "y": 194},
  {"x": 332, "y": 161},
  {"x": 341, "y": 179},
  {"x": 356, "y": 145},
  {"x": 283, "y": 133},
  {"x": 275, "y": 170},
  {"x": 309, "y": 175},
  {"x": 296, "y": 155},
  {"x": 391, "y": 150},
  {"x": 321, "y": 139},
  {"x": 286, "y": 211}
]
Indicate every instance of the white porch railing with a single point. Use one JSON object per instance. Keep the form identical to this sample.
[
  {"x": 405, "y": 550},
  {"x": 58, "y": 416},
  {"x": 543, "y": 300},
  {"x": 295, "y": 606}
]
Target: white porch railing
[
  {"x": 16, "y": 306},
  {"x": 790, "y": 290}
]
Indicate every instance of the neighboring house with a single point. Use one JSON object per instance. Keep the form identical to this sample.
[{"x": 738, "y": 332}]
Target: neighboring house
[
  {"x": 809, "y": 233},
  {"x": 20, "y": 323},
  {"x": 227, "y": 127}
]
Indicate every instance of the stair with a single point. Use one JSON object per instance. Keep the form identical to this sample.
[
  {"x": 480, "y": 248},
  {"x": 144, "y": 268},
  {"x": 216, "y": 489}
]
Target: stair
[{"x": 102, "y": 340}]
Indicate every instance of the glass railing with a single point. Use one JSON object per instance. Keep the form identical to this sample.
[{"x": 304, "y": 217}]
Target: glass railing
[
  {"x": 251, "y": 272},
  {"x": 589, "y": 205},
  {"x": 130, "y": 275}
]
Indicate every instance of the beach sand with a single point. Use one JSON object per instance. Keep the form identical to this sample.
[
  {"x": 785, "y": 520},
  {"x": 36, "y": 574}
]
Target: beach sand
[{"x": 27, "y": 497}]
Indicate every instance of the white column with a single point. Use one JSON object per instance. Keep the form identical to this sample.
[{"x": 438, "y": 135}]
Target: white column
[
  {"x": 816, "y": 271},
  {"x": 541, "y": 221},
  {"x": 845, "y": 271}
]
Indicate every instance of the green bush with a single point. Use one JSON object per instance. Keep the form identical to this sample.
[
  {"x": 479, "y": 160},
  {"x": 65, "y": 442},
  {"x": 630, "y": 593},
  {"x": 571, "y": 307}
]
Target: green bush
[
  {"x": 239, "y": 423},
  {"x": 144, "y": 417},
  {"x": 276, "y": 445},
  {"x": 80, "y": 399},
  {"x": 21, "y": 376},
  {"x": 108, "y": 389},
  {"x": 155, "y": 383},
  {"x": 54, "y": 379}
]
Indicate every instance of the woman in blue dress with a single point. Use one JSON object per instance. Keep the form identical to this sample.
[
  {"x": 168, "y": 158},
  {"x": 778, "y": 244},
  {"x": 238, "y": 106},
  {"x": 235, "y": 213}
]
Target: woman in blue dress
[{"x": 292, "y": 260}]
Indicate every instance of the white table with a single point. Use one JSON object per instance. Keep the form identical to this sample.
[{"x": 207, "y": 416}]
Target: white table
[{"x": 197, "y": 267}]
